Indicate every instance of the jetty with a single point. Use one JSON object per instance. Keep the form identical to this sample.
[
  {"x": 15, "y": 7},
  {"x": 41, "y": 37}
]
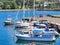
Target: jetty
[{"x": 52, "y": 20}]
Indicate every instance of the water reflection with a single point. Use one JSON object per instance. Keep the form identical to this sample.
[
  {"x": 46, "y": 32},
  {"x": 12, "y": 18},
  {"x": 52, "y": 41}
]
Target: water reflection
[
  {"x": 21, "y": 42},
  {"x": 11, "y": 34}
]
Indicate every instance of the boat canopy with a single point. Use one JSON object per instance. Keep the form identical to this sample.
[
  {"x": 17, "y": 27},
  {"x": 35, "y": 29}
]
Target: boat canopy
[
  {"x": 41, "y": 24},
  {"x": 37, "y": 31}
]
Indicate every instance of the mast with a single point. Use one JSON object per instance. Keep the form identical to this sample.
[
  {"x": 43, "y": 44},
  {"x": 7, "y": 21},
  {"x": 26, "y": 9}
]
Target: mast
[
  {"x": 28, "y": 9},
  {"x": 34, "y": 8},
  {"x": 17, "y": 15},
  {"x": 23, "y": 8}
]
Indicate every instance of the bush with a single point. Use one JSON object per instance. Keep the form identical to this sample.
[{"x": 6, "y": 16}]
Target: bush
[{"x": 1, "y": 5}]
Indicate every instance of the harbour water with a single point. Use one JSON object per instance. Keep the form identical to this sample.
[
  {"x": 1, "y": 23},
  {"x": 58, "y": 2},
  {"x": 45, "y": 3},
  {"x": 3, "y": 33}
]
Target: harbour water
[{"x": 7, "y": 33}]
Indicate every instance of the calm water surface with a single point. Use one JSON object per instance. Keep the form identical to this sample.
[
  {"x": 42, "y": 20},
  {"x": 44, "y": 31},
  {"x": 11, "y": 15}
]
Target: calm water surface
[{"x": 7, "y": 33}]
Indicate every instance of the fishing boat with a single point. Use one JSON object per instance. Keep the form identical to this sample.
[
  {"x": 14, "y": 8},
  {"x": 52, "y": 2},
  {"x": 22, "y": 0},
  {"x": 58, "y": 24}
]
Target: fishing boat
[{"x": 9, "y": 21}]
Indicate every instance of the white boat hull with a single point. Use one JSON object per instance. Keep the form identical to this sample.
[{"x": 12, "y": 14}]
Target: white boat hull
[
  {"x": 35, "y": 38},
  {"x": 8, "y": 23}
]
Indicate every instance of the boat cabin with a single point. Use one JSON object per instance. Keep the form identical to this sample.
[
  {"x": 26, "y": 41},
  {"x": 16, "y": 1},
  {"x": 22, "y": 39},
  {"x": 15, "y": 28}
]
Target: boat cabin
[
  {"x": 9, "y": 19},
  {"x": 26, "y": 19}
]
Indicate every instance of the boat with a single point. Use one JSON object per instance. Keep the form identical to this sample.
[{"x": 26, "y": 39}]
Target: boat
[
  {"x": 41, "y": 33},
  {"x": 9, "y": 21},
  {"x": 36, "y": 35},
  {"x": 46, "y": 22},
  {"x": 43, "y": 26},
  {"x": 18, "y": 24},
  {"x": 24, "y": 21},
  {"x": 54, "y": 31}
]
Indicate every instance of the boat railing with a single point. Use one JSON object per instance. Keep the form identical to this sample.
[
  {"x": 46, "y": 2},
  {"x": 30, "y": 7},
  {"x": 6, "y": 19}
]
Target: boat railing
[{"x": 49, "y": 32}]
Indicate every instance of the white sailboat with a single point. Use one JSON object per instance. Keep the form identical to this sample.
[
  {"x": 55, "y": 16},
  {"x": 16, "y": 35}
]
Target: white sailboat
[
  {"x": 24, "y": 20},
  {"x": 17, "y": 22},
  {"x": 28, "y": 17}
]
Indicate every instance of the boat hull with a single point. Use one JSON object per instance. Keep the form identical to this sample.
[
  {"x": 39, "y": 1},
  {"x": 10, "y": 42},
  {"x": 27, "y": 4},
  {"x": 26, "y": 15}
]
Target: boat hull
[
  {"x": 8, "y": 23},
  {"x": 34, "y": 38}
]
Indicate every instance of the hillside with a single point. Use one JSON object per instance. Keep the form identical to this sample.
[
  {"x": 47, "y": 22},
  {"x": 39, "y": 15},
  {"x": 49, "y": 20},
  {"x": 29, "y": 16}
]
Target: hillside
[{"x": 39, "y": 4}]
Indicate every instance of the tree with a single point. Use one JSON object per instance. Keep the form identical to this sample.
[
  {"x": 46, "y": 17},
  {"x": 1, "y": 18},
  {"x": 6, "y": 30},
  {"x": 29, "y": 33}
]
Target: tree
[
  {"x": 10, "y": 5},
  {"x": 14, "y": 6},
  {"x": 1, "y": 5},
  {"x": 19, "y": 3},
  {"x": 7, "y": 7},
  {"x": 31, "y": 4}
]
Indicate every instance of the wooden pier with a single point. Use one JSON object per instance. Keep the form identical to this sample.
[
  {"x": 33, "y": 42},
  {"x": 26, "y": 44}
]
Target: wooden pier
[{"x": 51, "y": 20}]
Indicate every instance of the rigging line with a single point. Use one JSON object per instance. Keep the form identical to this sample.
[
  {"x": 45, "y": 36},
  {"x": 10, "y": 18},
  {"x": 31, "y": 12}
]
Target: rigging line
[
  {"x": 28, "y": 9},
  {"x": 23, "y": 8}
]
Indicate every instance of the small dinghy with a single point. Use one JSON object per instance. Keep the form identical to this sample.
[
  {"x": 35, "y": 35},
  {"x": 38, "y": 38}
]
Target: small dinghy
[{"x": 9, "y": 21}]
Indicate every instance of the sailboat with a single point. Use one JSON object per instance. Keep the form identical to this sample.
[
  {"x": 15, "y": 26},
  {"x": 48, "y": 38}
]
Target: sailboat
[
  {"x": 33, "y": 18},
  {"x": 24, "y": 20},
  {"x": 9, "y": 21},
  {"x": 17, "y": 22}
]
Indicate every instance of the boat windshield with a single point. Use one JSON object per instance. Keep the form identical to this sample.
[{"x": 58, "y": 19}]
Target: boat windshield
[{"x": 40, "y": 26}]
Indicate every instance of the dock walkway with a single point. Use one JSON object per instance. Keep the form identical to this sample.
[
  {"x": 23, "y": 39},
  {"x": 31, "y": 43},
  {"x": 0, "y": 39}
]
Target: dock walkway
[{"x": 51, "y": 20}]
